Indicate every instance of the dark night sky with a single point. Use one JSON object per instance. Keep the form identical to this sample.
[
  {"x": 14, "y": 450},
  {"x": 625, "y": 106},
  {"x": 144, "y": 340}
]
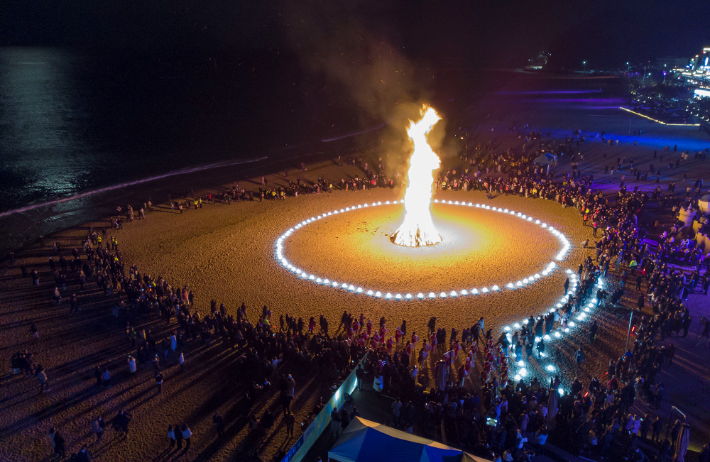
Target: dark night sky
[{"x": 451, "y": 33}]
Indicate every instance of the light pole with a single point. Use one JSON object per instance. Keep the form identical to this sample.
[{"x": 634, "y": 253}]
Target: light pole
[
  {"x": 627, "y": 66},
  {"x": 585, "y": 66}
]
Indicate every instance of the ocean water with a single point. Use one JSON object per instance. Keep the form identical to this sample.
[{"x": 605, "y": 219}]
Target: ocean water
[
  {"x": 71, "y": 123},
  {"x": 80, "y": 134}
]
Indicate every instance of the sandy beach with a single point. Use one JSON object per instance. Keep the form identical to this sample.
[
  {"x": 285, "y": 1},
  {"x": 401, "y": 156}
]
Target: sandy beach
[{"x": 226, "y": 253}]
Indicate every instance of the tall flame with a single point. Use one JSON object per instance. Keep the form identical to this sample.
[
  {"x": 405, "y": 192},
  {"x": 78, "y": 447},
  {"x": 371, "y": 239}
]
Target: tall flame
[{"x": 418, "y": 228}]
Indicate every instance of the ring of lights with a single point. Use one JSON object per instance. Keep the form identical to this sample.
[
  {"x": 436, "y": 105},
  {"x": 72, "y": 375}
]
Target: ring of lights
[
  {"x": 519, "y": 369},
  {"x": 352, "y": 288}
]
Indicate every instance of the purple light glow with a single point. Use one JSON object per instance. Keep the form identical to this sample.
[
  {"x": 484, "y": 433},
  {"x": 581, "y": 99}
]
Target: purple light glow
[{"x": 548, "y": 92}]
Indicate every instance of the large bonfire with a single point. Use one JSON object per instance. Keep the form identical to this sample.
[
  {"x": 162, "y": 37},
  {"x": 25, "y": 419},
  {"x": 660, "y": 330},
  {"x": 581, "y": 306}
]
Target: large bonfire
[{"x": 418, "y": 229}]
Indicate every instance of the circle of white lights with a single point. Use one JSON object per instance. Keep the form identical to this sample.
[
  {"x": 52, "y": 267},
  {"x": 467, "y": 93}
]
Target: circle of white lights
[
  {"x": 352, "y": 288},
  {"x": 519, "y": 367}
]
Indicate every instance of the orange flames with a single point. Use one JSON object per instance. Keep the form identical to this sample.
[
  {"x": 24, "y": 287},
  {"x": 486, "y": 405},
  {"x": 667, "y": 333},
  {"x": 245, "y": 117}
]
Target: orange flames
[{"x": 418, "y": 228}]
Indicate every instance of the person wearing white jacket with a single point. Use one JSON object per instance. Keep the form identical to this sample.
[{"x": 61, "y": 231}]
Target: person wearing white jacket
[{"x": 186, "y": 435}]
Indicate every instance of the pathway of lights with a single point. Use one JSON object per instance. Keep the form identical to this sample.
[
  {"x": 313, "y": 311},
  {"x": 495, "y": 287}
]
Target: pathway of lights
[
  {"x": 353, "y": 288},
  {"x": 518, "y": 370}
]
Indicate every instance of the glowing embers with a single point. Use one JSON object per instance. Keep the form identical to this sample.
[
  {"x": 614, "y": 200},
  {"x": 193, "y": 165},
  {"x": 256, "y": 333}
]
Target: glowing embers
[
  {"x": 417, "y": 229},
  {"x": 420, "y": 295}
]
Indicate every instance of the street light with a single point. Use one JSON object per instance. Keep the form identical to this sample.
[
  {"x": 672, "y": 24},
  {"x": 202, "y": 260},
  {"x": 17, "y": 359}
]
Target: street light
[
  {"x": 585, "y": 66},
  {"x": 627, "y": 66}
]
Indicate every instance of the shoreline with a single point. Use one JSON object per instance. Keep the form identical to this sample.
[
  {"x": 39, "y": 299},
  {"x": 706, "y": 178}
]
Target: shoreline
[
  {"x": 222, "y": 251},
  {"x": 71, "y": 210},
  {"x": 202, "y": 180}
]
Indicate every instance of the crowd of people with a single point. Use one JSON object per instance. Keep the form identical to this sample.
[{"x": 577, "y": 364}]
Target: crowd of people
[{"x": 474, "y": 400}]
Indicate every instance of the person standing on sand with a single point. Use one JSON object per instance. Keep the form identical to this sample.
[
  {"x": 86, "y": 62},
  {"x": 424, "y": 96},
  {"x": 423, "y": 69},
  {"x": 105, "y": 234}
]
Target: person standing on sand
[
  {"x": 178, "y": 436},
  {"x": 218, "y": 422},
  {"x": 97, "y": 428},
  {"x": 106, "y": 376},
  {"x": 121, "y": 421},
  {"x": 290, "y": 386},
  {"x": 58, "y": 442},
  {"x": 289, "y": 419},
  {"x": 159, "y": 381},
  {"x": 42, "y": 379},
  {"x": 34, "y": 332},
  {"x": 187, "y": 436},
  {"x": 97, "y": 375},
  {"x": 171, "y": 436},
  {"x": 579, "y": 357}
]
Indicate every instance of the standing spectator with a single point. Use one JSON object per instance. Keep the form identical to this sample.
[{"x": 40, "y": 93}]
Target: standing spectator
[
  {"x": 121, "y": 421},
  {"x": 171, "y": 436},
  {"x": 178, "y": 436},
  {"x": 58, "y": 441},
  {"x": 186, "y": 435},
  {"x": 267, "y": 420},
  {"x": 106, "y": 376},
  {"x": 34, "y": 332},
  {"x": 645, "y": 426},
  {"x": 396, "y": 408},
  {"x": 432, "y": 325},
  {"x": 579, "y": 357},
  {"x": 159, "y": 381},
  {"x": 354, "y": 413},
  {"x": 286, "y": 401},
  {"x": 593, "y": 331},
  {"x": 540, "y": 347},
  {"x": 97, "y": 427},
  {"x": 335, "y": 422},
  {"x": 656, "y": 428},
  {"x": 42, "y": 379},
  {"x": 218, "y": 422},
  {"x": 360, "y": 374},
  {"x": 290, "y": 386},
  {"x": 289, "y": 419},
  {"x": 83, "y": 455},
  {"x": 408, "y": 414},
  {"x": 344, "y": 419}
]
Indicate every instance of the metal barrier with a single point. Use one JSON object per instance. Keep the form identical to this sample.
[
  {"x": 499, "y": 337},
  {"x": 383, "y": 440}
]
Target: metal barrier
[{"x": 322, "y": 421}]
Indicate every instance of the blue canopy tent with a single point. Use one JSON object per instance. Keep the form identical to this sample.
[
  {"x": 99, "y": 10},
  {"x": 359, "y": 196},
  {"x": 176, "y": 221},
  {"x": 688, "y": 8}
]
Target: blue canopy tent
[
  {"x": 364, "y": 440},
  {"x": 546, "y": 159}
]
